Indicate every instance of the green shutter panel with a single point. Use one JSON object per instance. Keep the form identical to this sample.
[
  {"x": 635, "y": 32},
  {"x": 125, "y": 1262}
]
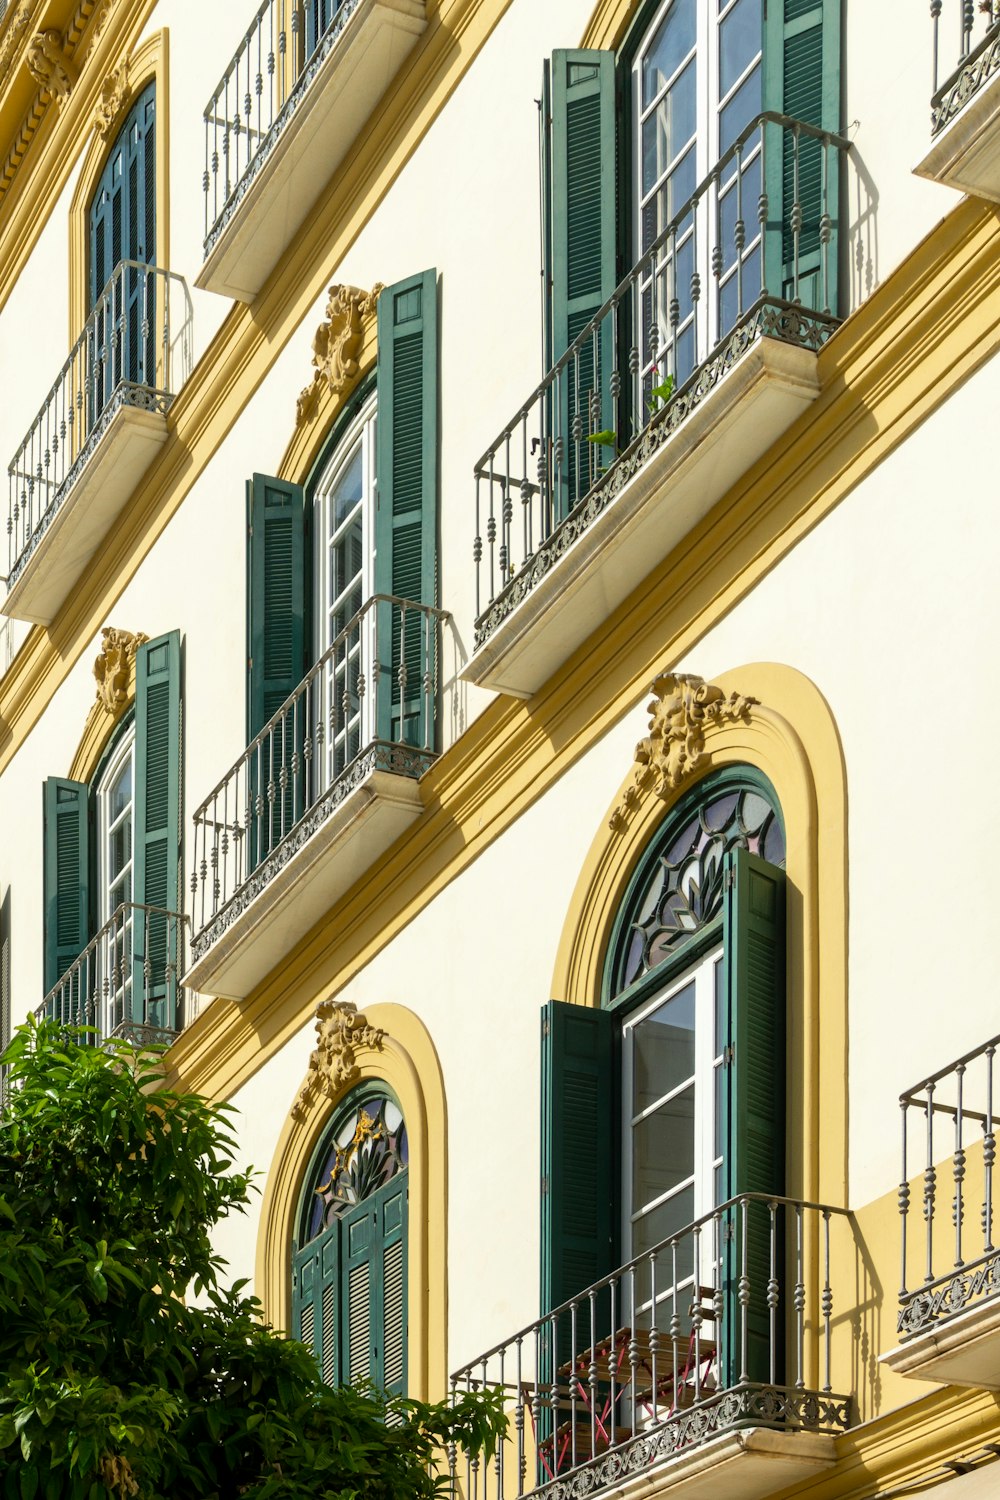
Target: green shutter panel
[
  {"x": 276, "y": 592},
  {"x": 392, "y": 1203},
  {"x": 373, "y": 1289},
  {"x": 577, "y": 1130},
  {"x": 407, "y": 498},
  {"x": 584, "y": 220},
  {"x": 802, "y": 80},
  {"x": 315, "y": 1290},
  {"x": 156, "y": 838},
  {"x": 66, "y": 866},
  {"x": 754, "y": 1132}
]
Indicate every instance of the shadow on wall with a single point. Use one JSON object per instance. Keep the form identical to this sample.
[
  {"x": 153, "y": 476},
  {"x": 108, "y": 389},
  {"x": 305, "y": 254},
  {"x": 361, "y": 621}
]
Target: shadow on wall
[
  {"x": 454, "y": 692},
  {"x": 862, "y": 230}
]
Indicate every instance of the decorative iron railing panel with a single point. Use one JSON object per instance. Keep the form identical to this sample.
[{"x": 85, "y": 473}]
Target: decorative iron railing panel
[
  {"x": 269, "y": 75},
  {"x": 369, "y": 704},
  {"x": 960, "y": 1100},
  {"x": 978, "y": 53},
  {"x": 727, "y": 1324},
  {"x": 126, "y": 982},
  {"x": 687, "y": 310},
  {"x": 135, "y": 350}
]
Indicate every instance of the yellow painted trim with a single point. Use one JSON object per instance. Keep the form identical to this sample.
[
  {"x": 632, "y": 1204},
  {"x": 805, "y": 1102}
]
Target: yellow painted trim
[
  {"x": 47, "y": 154},
  {"x": 151, "y": 61},
  {"x": 608, "y": 23},
  {"x": 408, "y": 1063},
  {"x": 791, "y": 737},
  {"x": 306, "y": 442}
]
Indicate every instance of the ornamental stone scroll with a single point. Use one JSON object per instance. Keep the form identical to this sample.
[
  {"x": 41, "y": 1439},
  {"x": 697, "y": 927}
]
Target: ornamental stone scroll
[
  {"x": 683, "y": 709},
  {"x": 341, "y": 1035},
  {"x": 337, "y": 344}
]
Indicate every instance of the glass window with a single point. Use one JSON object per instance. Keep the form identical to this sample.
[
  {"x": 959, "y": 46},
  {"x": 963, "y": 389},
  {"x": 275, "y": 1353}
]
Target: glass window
[
  {"x": 343, "y": 515},
  {"x": 114, "y": 802}
]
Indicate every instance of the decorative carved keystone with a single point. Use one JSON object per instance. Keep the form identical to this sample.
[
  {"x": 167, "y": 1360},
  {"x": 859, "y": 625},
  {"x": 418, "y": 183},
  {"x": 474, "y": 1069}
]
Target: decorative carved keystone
[
  {"x": 114, "y": 667},
  {"x": 114, "y": 92},
  {"x": 50, "y": 64},
  {"x": 337, "y": 344},
  {"x": 682, "y": 709},
  {"x": 342, "y": 1033}
]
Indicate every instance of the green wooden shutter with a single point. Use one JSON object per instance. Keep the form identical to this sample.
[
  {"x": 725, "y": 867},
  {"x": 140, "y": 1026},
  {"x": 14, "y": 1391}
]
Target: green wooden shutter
[
  {"x": 584, "y": 217},
  {"x": 373, "y": 1289},
  {"x": 802, "y": 79},
  {"x": 754, "y": 1131},
  {"x": 66, "y": 870},
  {"x": 577, "y": 1133},
  {"x": 276, "y": 593},
  {"x": 407, "y": 500},
  {"x": 315, "y": 1292},
  {"x": 156, "y": 840}
]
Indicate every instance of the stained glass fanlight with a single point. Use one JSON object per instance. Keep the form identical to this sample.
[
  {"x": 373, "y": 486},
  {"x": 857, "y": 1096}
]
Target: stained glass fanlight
[
  {"x": 678, "y": 889},
  {"x": 367, "y": 1148}
]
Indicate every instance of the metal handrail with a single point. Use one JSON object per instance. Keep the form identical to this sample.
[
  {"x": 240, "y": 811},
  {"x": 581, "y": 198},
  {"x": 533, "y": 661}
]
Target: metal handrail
[{"x": 766, "y": 117}]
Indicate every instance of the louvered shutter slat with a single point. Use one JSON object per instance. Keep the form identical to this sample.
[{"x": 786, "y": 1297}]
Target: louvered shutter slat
[
  {"x": 155, "y": 874},
  {"x": 754, "y": 1127},
  {"x": 406, "y": 519},
  {"x": 801, "y": 78},
  {"x": 66, "y": 858}
]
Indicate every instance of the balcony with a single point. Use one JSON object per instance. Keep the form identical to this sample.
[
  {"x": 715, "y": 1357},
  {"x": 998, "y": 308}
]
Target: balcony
[
  {"x": 702, "y": 357},
  {"x": 126, "y": 982},
  {"x": 965, "y": 104},
  {"x": 949, "y": 1300},
  {"x": 304, "y": 80},
  {"x": 320, "y": 794},
  {"x": 96, "y": 434},
  {"x": 702, "y": 1367}
]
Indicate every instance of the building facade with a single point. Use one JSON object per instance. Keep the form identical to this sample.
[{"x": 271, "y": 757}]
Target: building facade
[{"x": 493, "y": 494}]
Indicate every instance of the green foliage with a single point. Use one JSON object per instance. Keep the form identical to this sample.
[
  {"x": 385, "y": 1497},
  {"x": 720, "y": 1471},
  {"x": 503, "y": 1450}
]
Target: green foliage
[
  {"x": 606, "y": 439},
  {"x": 110, "y": 1385},
  {"x": 660, "y": 394}
]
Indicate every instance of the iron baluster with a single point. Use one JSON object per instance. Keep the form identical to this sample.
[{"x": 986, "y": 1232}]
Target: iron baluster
[
  {"x": 827, "y": 1304},
  {"x": 929, "y": 1185},
  {"x": 989, "y": 1154},
  {"x": 743, "y": 1292},
  {"x": 904, "y": 1203},
  {"x": 772, "y": 1291},
  {"x": 958, "y": 1168},
  {"x": 800, "y": 1304}
]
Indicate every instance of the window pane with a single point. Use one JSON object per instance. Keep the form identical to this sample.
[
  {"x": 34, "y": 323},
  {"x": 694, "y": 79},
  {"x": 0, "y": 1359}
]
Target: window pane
[
  {"x": 347, "y": 492},
  {"x": 740, "y": 110},
  {"x": 739, "y": 42},
  {"x": 669, "y": 128},
  {"x": 668, "y": 49},
  {"x": 663, "y": 1049},
  {"x": 121, "y": 791},
  {"x": 659, "y": 1224},
  {"x": 663, "y": 1149},
  {"x": 730, "y": 309}
]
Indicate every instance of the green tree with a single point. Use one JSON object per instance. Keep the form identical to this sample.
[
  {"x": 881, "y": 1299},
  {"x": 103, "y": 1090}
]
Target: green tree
[{"x": 110, "y": 1384}]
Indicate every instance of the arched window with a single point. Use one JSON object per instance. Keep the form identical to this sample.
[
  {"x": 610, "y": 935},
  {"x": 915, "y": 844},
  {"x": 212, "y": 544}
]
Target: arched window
[
  {"x": 674, "y": 1088},
  {"x": 349, "y": 1264},
  {"x": 122, "y": 297}
]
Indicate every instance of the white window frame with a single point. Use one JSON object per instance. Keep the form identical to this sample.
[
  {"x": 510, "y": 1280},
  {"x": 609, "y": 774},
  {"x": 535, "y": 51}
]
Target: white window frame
[
  {"x": 709, "y": 105},
  {"x": 116, "y": 952},
  {"x": 706, "y": 973},
  {"x": 361, "y": 431}
]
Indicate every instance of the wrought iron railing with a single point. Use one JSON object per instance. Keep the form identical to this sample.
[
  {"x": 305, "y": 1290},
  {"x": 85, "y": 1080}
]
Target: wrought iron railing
[
  {"x": 729, "y": 1323},
  {"x": 368, "y": 704},
  {"x": 978, "y": 53},
  {"x": 751, "y": 253},
  {"x": 946, "y": 1267},
  {"x": 126, "y": 982},
  {"x": 135, "y": 350},
  {"x": 270, "y": 73}
]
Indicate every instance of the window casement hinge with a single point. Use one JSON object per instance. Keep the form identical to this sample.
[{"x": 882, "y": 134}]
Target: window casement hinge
[
  {"x": 545, "y": 1185},
  {"x": 728, "y": 878},
  {"x": 728, "y": 1056},
  {"x": 545, "y": 1026},
  {"x": 728, "y": 1232}
]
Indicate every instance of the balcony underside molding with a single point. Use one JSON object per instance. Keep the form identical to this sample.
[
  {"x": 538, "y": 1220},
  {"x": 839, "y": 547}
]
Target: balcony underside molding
[
  {"x": 656, "y": 493},
  {"x": 132, "y": 427},
  {"x": 314, "y": 865},
  {"x": 964, "y": 1350},
  {"x": 965, "y": 153},
  {"x": 340, "y": 86},
  {"x": 750, "y": 1463}
]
